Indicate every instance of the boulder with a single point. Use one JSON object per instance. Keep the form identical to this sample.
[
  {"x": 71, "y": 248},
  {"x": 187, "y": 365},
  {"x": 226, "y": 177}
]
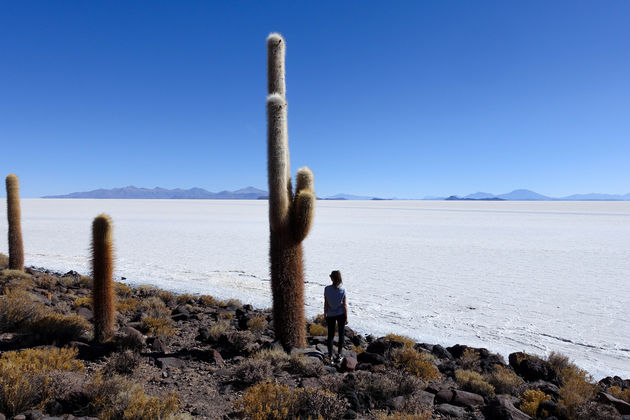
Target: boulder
[
  {"x": 441, "y": 353},
  {"x": 169, "y": 362},
  {"x": 379, "y": 346},
  {"x": 501, "y": 408},
  {"x": 450, "y": 410},
  {"x": 371, "y": 358},
  {"x": 349, "y": 364},
  {"x": 621, "y": 406},
  {"x": 130, "y": 338},
  {"x": 85, "y": 313},
  {"x": 466, "y": 398},
  {"x": 180, "y": 313},
  {"x": 215, "y": 357},
  {"x": 444, "y": 396},
  {"x": 532, "y": 368},
  {"x": 424, "y": 398}
]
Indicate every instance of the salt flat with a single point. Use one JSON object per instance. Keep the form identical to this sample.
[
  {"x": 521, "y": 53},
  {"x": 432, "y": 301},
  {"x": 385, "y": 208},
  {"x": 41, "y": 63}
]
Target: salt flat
[{"x": 508, "y": 276}]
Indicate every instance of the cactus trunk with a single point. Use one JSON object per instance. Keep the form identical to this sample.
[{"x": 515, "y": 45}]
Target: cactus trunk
[
  {"x": 290, "y": 215},
  {"x": 16, "y": 247},
  {"x": 102, "y": 272}
]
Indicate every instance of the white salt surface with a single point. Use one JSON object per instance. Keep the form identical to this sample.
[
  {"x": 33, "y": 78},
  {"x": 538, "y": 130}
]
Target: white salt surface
[{"x": 508, "y": 276}]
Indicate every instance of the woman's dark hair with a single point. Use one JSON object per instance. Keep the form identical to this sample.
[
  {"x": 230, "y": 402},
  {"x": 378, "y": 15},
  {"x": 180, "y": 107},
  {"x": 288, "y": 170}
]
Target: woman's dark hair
[{"x": 335, "y": 276}]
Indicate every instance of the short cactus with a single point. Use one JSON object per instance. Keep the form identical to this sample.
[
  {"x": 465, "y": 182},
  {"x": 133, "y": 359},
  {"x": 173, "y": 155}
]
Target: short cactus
[
  {"x": 16, "y": 247},
  {"x": 290, "y": 215},
  {"x": 102, "y": 272}
]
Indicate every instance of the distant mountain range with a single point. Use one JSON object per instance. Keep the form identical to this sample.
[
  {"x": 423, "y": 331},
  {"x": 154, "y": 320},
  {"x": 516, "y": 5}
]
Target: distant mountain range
[
  {"x": 251, "y": 193},
  {"x": 528, "y": 195}
]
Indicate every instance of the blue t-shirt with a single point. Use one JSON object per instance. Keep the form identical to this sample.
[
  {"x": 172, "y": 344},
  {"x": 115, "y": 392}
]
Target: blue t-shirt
[{"x": 335, "y": 296}]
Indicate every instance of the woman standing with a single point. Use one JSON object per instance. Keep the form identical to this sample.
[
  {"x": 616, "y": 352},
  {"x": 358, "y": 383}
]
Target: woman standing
[{"x": 336, "y": 312}]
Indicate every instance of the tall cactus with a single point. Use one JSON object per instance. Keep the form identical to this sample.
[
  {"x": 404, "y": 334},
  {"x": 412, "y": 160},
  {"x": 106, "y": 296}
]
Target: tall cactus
[
  {"x": 16, "y": 248},
  {"x": 102, "y": 272},
  {"x": 290, "y": 215}
]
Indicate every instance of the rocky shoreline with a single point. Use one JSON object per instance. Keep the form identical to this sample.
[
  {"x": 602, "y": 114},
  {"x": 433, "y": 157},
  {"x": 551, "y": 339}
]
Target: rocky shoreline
[{"x": 185, "y": 356}]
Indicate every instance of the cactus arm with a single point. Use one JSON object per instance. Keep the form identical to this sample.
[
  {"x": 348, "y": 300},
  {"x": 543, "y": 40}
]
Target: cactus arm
[
  {"x": 305, "y": 179},
  {"x": 16, "y": 247},
  {"x": 303, "y": 212},
  {"x": 277, "y": 162}
]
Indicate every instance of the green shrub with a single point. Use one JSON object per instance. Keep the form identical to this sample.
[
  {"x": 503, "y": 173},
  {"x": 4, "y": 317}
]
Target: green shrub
[
  {"x": 420, "y": 364},
  {"x": 472, "y": 381}
]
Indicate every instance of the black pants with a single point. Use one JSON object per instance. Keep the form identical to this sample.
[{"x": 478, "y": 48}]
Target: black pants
[{"x": 341, "y": 323}]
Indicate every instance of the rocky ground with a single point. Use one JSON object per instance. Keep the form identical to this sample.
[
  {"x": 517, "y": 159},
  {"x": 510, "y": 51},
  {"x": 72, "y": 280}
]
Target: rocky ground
[{"x": 219, "y": 360}]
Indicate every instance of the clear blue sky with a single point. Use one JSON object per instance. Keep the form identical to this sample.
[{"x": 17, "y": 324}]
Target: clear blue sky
[{"x": 400, "y": 98}]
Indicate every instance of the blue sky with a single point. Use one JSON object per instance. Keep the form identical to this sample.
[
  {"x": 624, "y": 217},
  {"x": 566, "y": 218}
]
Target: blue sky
[{"x": 403, "y": 98}]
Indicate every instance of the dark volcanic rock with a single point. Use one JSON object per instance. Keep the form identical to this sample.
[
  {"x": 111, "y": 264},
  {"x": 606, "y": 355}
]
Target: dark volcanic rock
[
  {"x": 467, "y": 398},
  {"x": 501, "y": 408},
  {"x": 621, "y": 406},
  {"x": 441, "y": 353},
  {"x": 451, "y": 410},
  {"x": 371, "y": 358},
  {"x": 532, "y": 368},
  {"x": 169, "y": 362}
]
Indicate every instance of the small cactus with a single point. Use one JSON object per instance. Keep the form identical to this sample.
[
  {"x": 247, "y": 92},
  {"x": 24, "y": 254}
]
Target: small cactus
[
  {"x": 290, "y": 215},
  {"x": 16, "y": 247},
  {"x": 102, "y": 272}
]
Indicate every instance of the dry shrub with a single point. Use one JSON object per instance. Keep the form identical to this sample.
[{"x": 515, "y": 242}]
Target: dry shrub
[
  {"x": 420, "y": 364},
  {"x": 26, "y": 377},
  {"x": 226, "y": 315},
  {"x": 257, "y": 324},
  {"x": 18, "y": 309},
  {"x": 146, "y": 290},
  {"x": 305, "y": 366},
  {"x": 82, "y": 302},
  {"x": 167, "y": 297},
  {"x": 531, "y": 400},
  {"x": 253, "y": 370},
  {"x": 218, "y": 329},
  {"x": 278, "y": 358},
  {"x": 407, "y": 341},
  {"x": 424, "y": 415},
  {"x": 241, "y": 341},
  {"x": 128, "y": 305},
  {"x": 558, "y": 362},
  {"x": 267, "y": 401},
  {"x": 319, "y": 403},
  {"x": 320, "y": 320},
  {"x": 234, "y": 303},
  {"x": 45, "y": 281},
  {"x": 116, "y": 398},
  {"x": 123, "y": 363},
  {"x": 576, "y": 390},
  {"x": 595, "y": 411},
  {"x": 469, "y": 360},
  {"x": 58, "y": 328},
  {"x": 16, "y": 279},
  {"x": 122, "y": 290},
  {"x": 186, "y": 298},
  {"x": 154, "y": 307},
  {"x": 357, "y": 349},
  {"x": 619, "y": 393},
  {"x": 207, "y": 300},
  {"x": 158, "y": 327},
  {"x": 317, "y": 330},
  {"x": 472, "y": 381},
  {"x": 504, "y": 380},
  {"x": 4, "y": 261}
]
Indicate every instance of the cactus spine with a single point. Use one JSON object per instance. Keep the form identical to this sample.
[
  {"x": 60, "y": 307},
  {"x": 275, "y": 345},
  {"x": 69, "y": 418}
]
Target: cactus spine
[
  {"x": 102, "y": 271},
  {"x": 16, "y": 247},
  {"x": 290, "y": 215}
]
